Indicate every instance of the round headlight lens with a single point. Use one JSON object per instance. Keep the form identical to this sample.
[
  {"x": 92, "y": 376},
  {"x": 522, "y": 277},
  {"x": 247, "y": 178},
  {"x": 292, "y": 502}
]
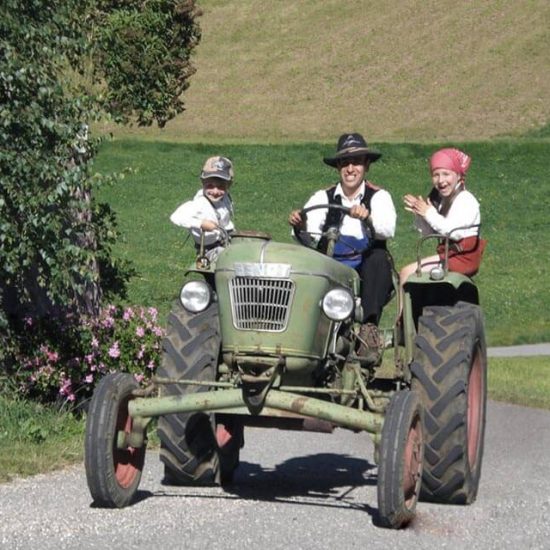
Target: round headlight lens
[
  {"x": 338, "y": 304},
  {"x": 195, "y": 296}
]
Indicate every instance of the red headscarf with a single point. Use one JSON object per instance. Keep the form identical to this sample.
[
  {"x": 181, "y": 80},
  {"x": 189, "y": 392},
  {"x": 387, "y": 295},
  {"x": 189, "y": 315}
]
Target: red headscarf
[{"x": 450, "y": 159}]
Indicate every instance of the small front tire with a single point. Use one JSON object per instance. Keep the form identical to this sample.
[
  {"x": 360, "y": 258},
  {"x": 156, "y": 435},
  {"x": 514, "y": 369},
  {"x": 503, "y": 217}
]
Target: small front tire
[
  {"x": 113, "y": 473},
  {"x": 401, "y": 459}
]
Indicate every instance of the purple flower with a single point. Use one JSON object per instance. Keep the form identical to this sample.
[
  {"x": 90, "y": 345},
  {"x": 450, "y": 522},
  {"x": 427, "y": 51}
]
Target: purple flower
[
  {"x": 114, "y": 351},
  {"x": 157, "y": 331},
  {"x": 128, "y": 314},
  {"x": 141, "y": 352},
  {"x": 95, "y": 343},
  {"x": 108, "y": 322}
]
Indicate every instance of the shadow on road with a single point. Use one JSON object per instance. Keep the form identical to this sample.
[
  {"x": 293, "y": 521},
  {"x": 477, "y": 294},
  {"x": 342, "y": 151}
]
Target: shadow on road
[
  {"x": 321, "y": 474},
  {"x": 322, "y": 479}
]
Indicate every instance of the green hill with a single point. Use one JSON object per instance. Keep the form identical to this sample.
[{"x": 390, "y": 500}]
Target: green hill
[{"x": 398, "y": 70}]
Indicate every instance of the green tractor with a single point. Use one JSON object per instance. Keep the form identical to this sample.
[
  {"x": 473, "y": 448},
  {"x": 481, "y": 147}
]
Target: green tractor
[{"x": 268, "y": 336}]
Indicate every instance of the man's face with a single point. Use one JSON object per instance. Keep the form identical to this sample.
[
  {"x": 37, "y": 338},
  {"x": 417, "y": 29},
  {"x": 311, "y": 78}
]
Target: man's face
[
  {"x": 215, "y": 188},
  {"x": 352, "y": 171}
]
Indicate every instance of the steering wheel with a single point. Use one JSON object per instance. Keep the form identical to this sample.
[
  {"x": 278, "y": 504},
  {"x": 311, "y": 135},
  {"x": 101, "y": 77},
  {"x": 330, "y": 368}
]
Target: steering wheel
[{"x": 332, "y": 234}]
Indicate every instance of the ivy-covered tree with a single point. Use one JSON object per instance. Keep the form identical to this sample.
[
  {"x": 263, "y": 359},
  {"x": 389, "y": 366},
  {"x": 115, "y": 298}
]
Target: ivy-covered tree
[{"x": 63, "y": 65}]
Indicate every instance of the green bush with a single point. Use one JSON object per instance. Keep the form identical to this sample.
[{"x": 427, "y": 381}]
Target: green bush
[{"x": 64, "y": 65}]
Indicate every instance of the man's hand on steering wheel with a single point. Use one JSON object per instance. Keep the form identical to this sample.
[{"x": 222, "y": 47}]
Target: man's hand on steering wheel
[
  {"x": 295, "y": 219},
  {"x": 359, "y": 211}
]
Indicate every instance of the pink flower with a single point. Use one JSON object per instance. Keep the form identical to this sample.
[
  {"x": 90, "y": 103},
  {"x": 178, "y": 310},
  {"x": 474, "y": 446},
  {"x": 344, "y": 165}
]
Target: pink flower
[
  {"x": 114, "y": 351},
  {"x": 108, "y": 322},
  {"x": 153, "y": 313},
  {"x": 141, "y": 352},
  {"x": 140, "y": 332},
  {"x": 139, "y": 377},
  {"x": 151, "y": 365},
  {"x": 128, "y": 314},
  {"x": 66, "y": 388},
  {"x": 89, "y": 378},
  {"x": 157, "y": 331},
  {"x": 95, "y": 343}
]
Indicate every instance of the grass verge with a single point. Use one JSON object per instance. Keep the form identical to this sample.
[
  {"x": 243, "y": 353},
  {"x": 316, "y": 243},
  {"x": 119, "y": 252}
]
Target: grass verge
[
  {"x": 36, "y": 439},
  {"x": 520, "y": 380}
]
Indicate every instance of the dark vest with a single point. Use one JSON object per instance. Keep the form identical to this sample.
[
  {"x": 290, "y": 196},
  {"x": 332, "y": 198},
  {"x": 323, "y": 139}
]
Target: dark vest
[{"x": 334, "y": 217}]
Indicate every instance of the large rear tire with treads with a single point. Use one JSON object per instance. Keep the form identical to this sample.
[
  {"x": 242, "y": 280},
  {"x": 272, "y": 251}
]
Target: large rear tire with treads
[{"x": 450, "y": 375}]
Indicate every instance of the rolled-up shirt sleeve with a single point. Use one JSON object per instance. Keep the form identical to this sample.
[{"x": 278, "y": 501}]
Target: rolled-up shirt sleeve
[
  {"x": 383, "y": 215},
  {"x": 464, "y": 212},
  {"x": 191, "y": 214}
]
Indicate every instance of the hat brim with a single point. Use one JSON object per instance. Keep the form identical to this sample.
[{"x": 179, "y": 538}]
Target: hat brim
[
  {"x": 371, "y": 155},
  {"x": 220, "y": 175}
]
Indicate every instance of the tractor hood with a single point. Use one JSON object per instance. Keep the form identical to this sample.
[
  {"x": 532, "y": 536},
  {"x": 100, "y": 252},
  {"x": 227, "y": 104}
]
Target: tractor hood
[
  {"x": 246, "y": 251},
  {"x": 270, "y": 300}
]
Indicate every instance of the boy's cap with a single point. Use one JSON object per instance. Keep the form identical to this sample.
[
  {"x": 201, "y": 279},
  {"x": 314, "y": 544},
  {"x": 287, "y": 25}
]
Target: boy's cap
[{"x": 217, "y": 167}]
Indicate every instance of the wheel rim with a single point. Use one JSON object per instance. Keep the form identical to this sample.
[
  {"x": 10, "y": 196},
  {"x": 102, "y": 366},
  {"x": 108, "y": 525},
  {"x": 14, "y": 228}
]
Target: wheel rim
[
  {"x": 412, "y": 472},
  {"x": 128, "y": 462},
  {"x": 475, "y": 406}
]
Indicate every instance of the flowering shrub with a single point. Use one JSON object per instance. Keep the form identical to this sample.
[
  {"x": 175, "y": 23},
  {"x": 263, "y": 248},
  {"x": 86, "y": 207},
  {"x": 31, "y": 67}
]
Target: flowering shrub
[{"x": 119, "y": 340}]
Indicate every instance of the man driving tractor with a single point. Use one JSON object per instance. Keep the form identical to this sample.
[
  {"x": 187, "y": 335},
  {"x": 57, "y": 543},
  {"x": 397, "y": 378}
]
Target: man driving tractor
[{"x": 363, "y": 233}]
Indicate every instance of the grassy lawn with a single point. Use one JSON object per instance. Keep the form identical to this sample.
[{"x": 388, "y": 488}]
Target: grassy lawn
[
  {"x": 511, "y": 180},
  {"x": 520, "y": 380},
  {"x": 37, "y": 439}
]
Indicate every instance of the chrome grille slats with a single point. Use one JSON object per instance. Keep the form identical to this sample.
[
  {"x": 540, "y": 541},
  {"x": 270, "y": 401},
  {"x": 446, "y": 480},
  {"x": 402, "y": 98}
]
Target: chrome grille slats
[{"x": 261, "y": 304}]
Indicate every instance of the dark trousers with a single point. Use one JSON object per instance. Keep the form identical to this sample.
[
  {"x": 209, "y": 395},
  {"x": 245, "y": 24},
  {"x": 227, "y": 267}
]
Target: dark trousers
[{"x": 376, "y": 284}]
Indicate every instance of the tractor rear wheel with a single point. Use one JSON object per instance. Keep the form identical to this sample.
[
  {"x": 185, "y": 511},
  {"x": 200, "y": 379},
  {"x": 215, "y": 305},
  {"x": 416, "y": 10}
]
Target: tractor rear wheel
[
  {"x": 450, "y": 375},
  {"x": 194, "y": 450}
]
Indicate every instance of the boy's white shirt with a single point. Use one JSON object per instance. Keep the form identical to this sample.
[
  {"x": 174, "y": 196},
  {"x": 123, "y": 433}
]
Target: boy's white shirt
[
  {"x": 190, "y": 214},
  {"x": 464, "y": 211}
]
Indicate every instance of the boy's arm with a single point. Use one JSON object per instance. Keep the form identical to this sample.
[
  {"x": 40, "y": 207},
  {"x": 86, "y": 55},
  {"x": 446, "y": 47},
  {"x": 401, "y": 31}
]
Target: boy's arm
[{"x": 191, "y": 215}]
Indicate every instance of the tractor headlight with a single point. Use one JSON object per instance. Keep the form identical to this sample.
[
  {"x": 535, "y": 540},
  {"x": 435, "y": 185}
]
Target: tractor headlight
[
  {"x": 338, "y": 304},
  {"x": 195, "y": 296}
]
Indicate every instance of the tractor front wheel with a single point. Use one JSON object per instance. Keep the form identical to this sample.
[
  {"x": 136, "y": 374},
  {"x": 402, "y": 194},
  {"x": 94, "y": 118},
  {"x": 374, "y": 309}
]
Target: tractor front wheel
[
  {"x": 113, "y": 469},
  {"x": 401, "y": 458}
]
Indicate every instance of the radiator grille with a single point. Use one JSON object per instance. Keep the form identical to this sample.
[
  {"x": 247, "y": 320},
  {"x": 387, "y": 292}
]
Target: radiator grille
[{"x": 261, "y": 304}]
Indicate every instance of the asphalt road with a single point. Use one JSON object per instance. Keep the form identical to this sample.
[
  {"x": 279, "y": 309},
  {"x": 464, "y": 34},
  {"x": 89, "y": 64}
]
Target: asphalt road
[
  {"x": 296, "y": 490},
  {"x": 527, "y": 350}
]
